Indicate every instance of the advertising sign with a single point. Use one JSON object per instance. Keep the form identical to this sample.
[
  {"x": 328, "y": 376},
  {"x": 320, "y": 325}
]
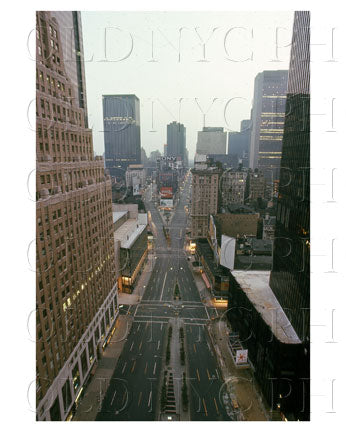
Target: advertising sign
[
  {"x": 166, "y": 192},
  {"x": 136, "y": 190},
  {"x": 136, "y": 185},
  {"x": 227, "y": 254},
  {"x": 241, "y": 356},
  {"x": 166, "y": 202}
]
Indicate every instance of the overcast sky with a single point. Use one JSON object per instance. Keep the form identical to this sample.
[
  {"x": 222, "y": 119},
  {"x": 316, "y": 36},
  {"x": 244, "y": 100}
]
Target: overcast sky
[{"x": 213, "y": 71}]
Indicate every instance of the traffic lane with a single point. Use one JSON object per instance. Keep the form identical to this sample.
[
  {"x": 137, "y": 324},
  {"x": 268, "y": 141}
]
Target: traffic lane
[
  {"x": 167, "y": 292},
  {"x": 188, "y": 282},
  {"x": 155, "y": 280},
  {"x": 205, "y": 389},
  {"x": 157, "y": 286},
  {"x": 206, "y": 383},
  {"x": 132, "y": 392}
]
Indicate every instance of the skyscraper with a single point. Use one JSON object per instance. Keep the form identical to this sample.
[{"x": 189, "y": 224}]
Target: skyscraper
[
  {"x": 176, "y": 141},
  {"x": 267, "y": 122},
  {"x": 122, "y": 135},
  {"x": 70, "y": 26},
  {"x": 76, "y": 291},
  {"x": 211, "y": 140},
  {"x": 239, "y": 142},
  {"x": 290, "y": 276}
]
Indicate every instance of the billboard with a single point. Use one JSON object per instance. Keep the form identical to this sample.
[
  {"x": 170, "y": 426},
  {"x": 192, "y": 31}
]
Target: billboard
[
  {"x": 136, "y": 190},
  {"x": 166, "y": 158},
  {"x": 227, "y": 253},
  {"x": 241, "y": 356},
  {"x": 166, "y": 192},
  {"x": 167, "y": 202}
]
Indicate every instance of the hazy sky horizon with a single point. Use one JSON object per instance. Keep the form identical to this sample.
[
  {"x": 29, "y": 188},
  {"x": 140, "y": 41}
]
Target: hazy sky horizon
[{"x": 181, "y": 65}]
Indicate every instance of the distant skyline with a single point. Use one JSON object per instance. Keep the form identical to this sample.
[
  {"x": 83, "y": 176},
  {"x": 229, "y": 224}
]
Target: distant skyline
[{"x": 141, "y": 57}]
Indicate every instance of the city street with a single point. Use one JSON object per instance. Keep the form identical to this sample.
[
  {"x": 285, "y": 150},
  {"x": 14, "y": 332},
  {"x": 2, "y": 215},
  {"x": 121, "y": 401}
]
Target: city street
[{"x": 134, "y": 389}]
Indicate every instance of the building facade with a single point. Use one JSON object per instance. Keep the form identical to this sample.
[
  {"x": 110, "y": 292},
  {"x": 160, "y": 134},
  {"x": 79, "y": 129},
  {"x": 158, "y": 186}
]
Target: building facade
[
  {"x": 131, "y": 244},
  {"x": 176, "y": 141},
  {"x": 290, "y": 278},
  {"x": 274, "y": 348},
  {"x": 282, "y": 361},
  {"x": 135, "y": 178},
  {"x": 255, "y": 186},
  {"x": 211, "y": 140},
  {"x": 204, "y": 199},
  {"x": 232, "y": 185},
  {"x": 122, "y": 134},
  {"x": 268, "y": 115},
  {"x": 239, "y": 142},
  {"x": 76, "y": 291}
]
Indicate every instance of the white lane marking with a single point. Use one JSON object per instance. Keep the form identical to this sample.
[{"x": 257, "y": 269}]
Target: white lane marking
[
  {"x": 161, "y": 326},
  {"x": 113, "y": 396},
  {"x": 154, "y": 370},
  {"x": 136, "y": 310},
  {"x": 131, "y": 346},
  {"x": 149, "y": 400},
  {"x": 163, "y": 286},
  {"x": 124, "y": 368},
  {"x": 158, "y": 344},
  {"x": 207, "y": 312}
]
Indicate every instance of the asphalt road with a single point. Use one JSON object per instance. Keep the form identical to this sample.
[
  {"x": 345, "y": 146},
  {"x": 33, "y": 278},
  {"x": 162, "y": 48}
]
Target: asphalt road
[{"x": 133, "y": 391}]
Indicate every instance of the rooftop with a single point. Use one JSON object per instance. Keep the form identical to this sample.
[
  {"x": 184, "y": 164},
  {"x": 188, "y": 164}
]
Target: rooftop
[
  {"x": 118, "y": 215},
  {"x": 204, "y": 249},
  {"x": 234, "y": 225},
  {"x": 200, "y": 157},
  {"x": 206, "y": 170},
  {"x": 260, "y": 246},
  {"x": 135, "y": 167},
  {"x": 240, "y": 209},
  {"x": 255, "y": 285},
  {"x": 128, "y": 233},
  {"x": 253, "y": 262},
  {"x": 271, "y": 221}
]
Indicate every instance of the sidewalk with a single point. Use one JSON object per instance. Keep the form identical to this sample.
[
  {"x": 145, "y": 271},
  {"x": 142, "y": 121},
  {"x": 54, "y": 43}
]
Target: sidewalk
[
  {"x": 204, "y": 293},
  {"x": 91, "y": 403},
  {"x": 240, "y": 382},
  {"x": 135, "y": 297}
]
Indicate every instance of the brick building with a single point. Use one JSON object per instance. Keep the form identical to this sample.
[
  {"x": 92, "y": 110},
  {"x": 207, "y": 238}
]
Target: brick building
[
  {"x": 232, "y": 185},
  {"x": 76, "y": 290},
  {"x": 204, "y": 199}
]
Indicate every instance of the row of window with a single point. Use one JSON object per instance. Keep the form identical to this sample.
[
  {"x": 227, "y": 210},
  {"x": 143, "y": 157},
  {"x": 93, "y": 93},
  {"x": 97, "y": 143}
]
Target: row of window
[
  {"x": 58, "y": 113},
  {"x": 77, "y": 175}
]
